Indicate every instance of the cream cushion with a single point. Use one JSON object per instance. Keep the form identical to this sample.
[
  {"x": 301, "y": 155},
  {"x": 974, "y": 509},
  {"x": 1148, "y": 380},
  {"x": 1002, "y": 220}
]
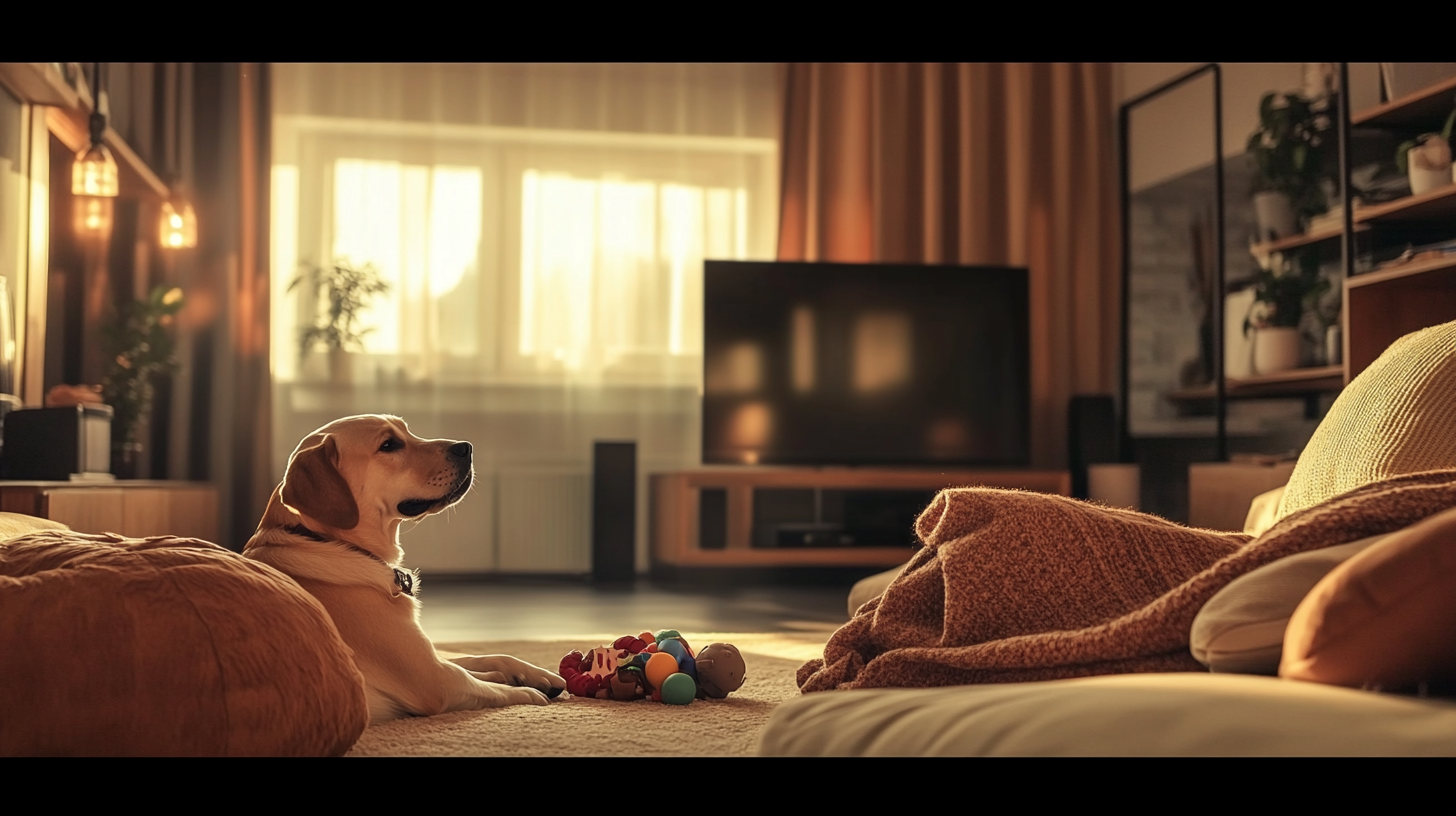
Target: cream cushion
[
  {"x": 1398, "y": 416},
  {"x": 1114, "y": 715},
  {"x": 18, "y": 524},
  {"x": 870, "y": 588},
  {"x": 1262, "y": 511},
  {"x": 1241, "y": 628}
]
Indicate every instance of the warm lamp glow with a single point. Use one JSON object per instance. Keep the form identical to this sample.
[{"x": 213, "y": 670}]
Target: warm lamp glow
[
  {"x": 92, "y": 214},
  {"x": 178, "y": 228},
  {"x": 94, "y": 173}
]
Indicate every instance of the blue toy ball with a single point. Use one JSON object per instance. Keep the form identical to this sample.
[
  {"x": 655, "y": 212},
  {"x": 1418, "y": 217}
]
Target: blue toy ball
[{"x": 674, "y": 648}]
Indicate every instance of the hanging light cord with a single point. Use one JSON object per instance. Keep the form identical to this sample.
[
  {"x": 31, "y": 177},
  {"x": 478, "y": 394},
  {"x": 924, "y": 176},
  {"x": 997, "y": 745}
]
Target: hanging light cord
[{"x": 98, "y": 119}]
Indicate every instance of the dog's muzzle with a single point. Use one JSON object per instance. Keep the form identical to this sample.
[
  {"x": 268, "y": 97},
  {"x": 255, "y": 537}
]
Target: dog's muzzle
[{"x": 459, "y": 455}]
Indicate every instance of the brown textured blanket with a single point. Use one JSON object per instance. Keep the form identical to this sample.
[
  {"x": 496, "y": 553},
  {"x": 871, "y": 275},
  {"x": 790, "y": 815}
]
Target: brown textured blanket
[{"x": 1013, "y": 586}]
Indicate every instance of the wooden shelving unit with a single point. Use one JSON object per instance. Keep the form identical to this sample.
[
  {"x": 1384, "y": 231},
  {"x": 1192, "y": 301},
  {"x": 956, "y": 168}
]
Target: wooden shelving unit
[
  {"x": 1297, "y": 241},
  {"x": 1439, "y": 203},
  {"x": 1411, "y": 110},
  {"x": 1293, "y": 383},
  {"x": 1383, "y": 305}
]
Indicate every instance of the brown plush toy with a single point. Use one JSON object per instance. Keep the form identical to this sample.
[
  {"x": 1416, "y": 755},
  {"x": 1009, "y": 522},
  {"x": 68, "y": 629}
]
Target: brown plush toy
[{"x": 720, "y": 670}]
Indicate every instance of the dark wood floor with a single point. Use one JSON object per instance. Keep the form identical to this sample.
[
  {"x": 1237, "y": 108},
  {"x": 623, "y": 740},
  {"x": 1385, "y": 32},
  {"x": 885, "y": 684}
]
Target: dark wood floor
[{"x": 456, "y": 610}]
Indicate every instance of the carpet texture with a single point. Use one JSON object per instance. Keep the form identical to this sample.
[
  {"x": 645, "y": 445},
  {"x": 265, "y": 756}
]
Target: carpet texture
[{"x": 575, "y": 726}]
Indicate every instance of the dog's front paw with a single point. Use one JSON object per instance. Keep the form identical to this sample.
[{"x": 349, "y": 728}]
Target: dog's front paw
[
  {"x": 513, "y": 671},
  {"x": 522, "y": 695}
]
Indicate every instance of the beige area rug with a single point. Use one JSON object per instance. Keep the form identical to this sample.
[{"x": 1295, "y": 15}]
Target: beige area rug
[{"x": 575, "y": 726}]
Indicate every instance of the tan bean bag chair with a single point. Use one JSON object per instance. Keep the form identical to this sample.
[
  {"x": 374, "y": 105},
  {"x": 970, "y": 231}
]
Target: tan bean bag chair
[{"x": 112, "y": 646}]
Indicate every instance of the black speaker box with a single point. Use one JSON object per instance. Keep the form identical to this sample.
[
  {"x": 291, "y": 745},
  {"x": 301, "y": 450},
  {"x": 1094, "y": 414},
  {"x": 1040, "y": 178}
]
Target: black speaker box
[
  {"x": 614, "y": 512},
  {"x": 1092, "y": 437}
]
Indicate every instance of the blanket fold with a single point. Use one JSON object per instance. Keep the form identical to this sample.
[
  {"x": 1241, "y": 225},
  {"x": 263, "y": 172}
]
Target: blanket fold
[{"x": 1013, "y": 586}]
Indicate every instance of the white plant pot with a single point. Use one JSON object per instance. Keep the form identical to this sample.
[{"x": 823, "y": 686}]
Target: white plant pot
[
  {"x": 1423, "y": 180},
  {"x": 1276, "y": 349},
  {"x": 341, "y": 366},
  {"x": 1274, "y": 215}
]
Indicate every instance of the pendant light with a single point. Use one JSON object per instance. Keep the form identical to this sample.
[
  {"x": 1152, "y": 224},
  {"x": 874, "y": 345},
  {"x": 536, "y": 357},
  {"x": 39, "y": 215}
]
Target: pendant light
[
  {"x": 177, "y": 228},
  {"x": 95, "y": 173}
]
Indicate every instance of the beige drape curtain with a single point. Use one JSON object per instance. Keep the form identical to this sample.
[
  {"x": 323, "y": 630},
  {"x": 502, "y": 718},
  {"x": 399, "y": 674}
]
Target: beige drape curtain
[{"x": 970, "y": 163}]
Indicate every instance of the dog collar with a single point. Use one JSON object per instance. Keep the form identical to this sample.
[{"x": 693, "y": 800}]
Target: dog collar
[{"x": 404, "y": 580}]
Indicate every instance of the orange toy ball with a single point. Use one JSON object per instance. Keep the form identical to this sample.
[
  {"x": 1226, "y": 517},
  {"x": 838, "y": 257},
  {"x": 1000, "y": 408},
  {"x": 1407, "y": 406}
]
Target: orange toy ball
[
  {"x": 646, "y": 637},
  {"x": 660, "y": 667}
]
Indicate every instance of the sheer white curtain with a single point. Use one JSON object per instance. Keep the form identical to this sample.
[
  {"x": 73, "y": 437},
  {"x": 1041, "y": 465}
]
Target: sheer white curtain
[{"x": 542, "y": 229}]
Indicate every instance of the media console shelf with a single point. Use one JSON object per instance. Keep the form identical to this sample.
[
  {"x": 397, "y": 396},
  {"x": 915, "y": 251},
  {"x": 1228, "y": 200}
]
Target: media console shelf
[{"x": 805, "y": 517}]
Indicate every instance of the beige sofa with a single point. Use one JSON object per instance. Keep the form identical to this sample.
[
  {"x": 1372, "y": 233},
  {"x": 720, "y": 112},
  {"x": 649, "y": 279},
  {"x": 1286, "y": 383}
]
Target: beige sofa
[{"x": 1398, "y": 417}]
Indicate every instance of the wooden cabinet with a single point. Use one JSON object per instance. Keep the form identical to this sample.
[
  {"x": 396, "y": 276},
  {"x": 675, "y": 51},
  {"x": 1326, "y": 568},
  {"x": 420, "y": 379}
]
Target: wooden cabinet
[
  {"x": 797, "y": 517},
  {"x": 130, "y": 508}
]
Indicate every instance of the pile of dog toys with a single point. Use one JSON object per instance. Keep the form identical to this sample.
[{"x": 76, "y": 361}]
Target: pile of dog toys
[{"x": 658, "y": 666}]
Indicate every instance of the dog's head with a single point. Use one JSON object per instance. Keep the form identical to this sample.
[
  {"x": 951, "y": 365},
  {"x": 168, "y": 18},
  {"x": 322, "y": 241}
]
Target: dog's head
[{"x": 369, "y": 472}]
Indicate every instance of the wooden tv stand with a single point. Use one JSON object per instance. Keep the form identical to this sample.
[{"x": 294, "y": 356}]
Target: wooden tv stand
[{"x": 678, "y": 504}]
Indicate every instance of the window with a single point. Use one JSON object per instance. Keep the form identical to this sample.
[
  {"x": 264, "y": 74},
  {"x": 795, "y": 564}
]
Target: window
[{"x": 514, "y": 258}]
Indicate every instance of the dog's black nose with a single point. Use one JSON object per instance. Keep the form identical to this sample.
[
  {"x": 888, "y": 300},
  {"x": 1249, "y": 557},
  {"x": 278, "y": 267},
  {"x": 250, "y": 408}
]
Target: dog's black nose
[{"x": 461, "y": 449}]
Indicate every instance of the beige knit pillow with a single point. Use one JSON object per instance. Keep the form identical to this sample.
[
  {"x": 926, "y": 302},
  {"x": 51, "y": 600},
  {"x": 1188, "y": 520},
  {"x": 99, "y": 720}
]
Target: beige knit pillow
[{"x": 1397, "y": 417}]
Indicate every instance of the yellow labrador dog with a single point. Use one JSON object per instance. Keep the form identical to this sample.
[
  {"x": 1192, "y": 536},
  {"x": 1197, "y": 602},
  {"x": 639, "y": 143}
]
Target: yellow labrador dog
[{"x": 333, "y": 526}]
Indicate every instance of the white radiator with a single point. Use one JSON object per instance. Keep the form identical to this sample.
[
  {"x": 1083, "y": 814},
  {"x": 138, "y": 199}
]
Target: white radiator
[
  {"x": 544, "y": 521},
  {"x": 462, "y": 539}
]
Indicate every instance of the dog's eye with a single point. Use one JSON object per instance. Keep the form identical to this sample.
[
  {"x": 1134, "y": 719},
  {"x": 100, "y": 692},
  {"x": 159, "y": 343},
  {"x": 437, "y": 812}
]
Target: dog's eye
[{"x": 390, "y": 444}]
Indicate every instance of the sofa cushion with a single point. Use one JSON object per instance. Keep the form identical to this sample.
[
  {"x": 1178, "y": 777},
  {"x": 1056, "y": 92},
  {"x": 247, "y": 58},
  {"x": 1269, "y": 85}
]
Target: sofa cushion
[
  {"x": 1119, "y": 715},
  {"x": 1386, "y": 617},
  {"x": 867, "y": 589},
  {"x": 1263, "y": 511},
  {"x": 1398, "y": 416},
  {"x": 1241, "y": 629},
  {"x": 112, "y": 646},
  {"x": 18, "y": 524}
]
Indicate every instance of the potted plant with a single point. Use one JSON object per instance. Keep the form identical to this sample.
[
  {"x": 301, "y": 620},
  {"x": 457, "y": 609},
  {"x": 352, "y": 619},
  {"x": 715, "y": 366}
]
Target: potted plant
[
  {"x": 140, "y": 346},
  {"x": 1290, "y": 150},
  {"x": 341, "y": 290},
  {"x": 1426, "y": 159},
  {"x": 1280, "y": 295}
]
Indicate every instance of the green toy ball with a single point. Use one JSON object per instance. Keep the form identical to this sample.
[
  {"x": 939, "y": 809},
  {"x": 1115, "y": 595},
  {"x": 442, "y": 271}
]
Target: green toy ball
[{"x": 679, "y": 689}]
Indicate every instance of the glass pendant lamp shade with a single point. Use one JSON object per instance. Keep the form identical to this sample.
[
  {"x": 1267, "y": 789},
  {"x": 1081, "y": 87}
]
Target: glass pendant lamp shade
[
  {"x": 94, "y": 173},
  {"x": 178, "y": 225}
]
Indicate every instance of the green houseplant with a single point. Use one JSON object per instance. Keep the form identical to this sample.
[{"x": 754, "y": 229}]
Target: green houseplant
[
  {"x": 1282, "y": 290},
  {"x": 1290, "y": 149},
  {"x": 140, "y": 346},
  {"x": 341, "y": 291}
]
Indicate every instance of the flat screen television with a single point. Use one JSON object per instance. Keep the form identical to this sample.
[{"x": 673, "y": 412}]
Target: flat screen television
[{"x": 865, "y": 364}]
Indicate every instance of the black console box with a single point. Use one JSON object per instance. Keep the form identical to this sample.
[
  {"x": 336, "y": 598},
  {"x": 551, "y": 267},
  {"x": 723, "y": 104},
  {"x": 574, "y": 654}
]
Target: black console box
[
  {"x": 835, "y": 517},
  {"x": 57, "y": 444}
]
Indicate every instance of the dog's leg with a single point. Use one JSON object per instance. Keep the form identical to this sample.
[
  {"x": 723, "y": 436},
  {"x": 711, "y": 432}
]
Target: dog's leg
[{"x": 511, "y": 671}]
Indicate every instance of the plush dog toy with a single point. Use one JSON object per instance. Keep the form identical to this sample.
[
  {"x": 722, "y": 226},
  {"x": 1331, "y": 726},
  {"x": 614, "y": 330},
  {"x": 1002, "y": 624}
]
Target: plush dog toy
[{"x": 659, "y": 666}]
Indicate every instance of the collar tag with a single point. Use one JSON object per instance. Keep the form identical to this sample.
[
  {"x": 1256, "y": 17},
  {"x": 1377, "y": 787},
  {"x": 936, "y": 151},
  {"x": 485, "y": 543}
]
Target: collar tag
[{"x": 404, "y": 581}]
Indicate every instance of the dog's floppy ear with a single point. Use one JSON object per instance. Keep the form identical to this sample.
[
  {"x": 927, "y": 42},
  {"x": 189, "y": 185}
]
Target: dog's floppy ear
[{"x": 313, "y": 485}]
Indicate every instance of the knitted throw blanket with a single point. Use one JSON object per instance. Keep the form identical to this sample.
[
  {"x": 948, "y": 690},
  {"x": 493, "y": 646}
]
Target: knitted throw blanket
[{"x": 1014, "y": 586}]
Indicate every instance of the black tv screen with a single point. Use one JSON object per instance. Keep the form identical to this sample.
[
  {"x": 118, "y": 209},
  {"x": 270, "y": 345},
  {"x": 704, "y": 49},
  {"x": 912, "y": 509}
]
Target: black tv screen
[{"x": 865, "y": 364}]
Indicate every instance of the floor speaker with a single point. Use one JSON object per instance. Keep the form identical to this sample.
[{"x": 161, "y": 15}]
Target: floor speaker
[
  {"x": 1091, "y": 437},
  {"x": 614, "y": 511}
]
